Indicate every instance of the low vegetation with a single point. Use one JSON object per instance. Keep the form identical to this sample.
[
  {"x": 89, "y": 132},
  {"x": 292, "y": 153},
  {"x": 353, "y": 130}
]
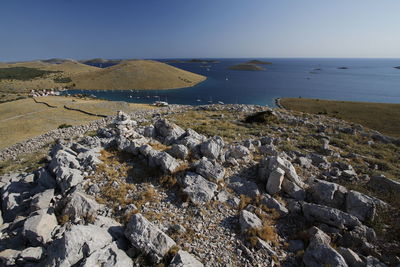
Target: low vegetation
[
  {"x": 381, "y": 117},
  {"x": 22, "y": 73}
]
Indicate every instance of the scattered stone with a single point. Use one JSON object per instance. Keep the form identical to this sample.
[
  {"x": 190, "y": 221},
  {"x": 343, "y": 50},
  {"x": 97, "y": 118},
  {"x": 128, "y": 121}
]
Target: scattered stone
[
  {"x": 184, "y": 259},
  {"x": 179, "y": 151},
  {"x": 272, "y": 203},
  {"x": 352, "y": 259},
  {"x": 42, "y": 200},
  {"x": 212, "y": 171},
  {"x": 34, "y": 254},
  {"x": 242, "y": 186},
  {"x": 110, "y": 256},
  {"x": 248, "y": 221},
  {"x": 148, "y": 238},
  {"x": 320, "y": 253},
  {"x": 198, "y": 189}
]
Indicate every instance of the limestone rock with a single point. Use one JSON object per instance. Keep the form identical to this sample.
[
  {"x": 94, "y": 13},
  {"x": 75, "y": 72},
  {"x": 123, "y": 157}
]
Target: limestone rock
[
  {"x": 77, "y": 243},
  {"x": 80, "y": 206},
  {"x": 166, "y": 162},
  {"x": 39, "y": 226},
  {"x": 329, "y": 216},
  {"x": 110, "y": 256},
  {"x": 148, "y": 238},
  {"x": 212, "y": 148},
  {"x": 212, "y": 171},
  {"x": 360, "y": 205},
  {"x": 290, "y": 171},
  {"x": 243, "y": 186},
  {"x": 42, "y": 200},
  {"x": 248, "y": 221},
  {"x": 32, "y": 254},
  {"x": 198, "y": 189},
  {"x": 352, "y": 259},
  {"x": 275, "y": 180},
  {"x": 168, "y": 131},
  {"x": 272, "y": 203},
  {"x": 179, "y": 151},
  {"x": 329, "y": 194},
  {"x": 239, "y": 153},
  {"x": 320, "y": 253},
  {"x": 293, "y": 190},
  {"x": 184, "y": 259}
]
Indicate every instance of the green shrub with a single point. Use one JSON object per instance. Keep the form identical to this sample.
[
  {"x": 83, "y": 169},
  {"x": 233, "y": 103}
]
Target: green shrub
[
  {"x": 64, "y": 125},
  {"x": 22, "y": 73},
  {"x": 63, "y": 80}
]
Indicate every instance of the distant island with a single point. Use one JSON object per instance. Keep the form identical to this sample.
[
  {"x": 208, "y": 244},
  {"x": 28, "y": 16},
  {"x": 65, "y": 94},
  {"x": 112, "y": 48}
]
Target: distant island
[
  {"x": 258, "y": 62},
  {"x": 100, "y": 61},
  {"x": 251, "y": 65},
  {"x": 194, "y": 60},
  {"x": 398, "y": 67},
  {"x": 343, "y": 68}
]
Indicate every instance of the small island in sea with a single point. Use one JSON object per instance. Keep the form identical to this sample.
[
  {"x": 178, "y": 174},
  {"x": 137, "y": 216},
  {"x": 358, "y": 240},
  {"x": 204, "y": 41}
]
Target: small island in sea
[
  {"x": 398, "y": 67},
  {"x": 194, "y": 60},
  {"x": 251, "y": 65}
]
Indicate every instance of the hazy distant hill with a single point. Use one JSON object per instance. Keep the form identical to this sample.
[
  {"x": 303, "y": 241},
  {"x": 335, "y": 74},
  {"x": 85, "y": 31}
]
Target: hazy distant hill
[
  {"x": 56, "y": 60},
  {"x": 137, "y": 74},
  {"x": 100, "y": 61}
]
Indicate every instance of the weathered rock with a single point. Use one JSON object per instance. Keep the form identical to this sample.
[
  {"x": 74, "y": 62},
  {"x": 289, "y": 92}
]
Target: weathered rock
[
  {"x": 148, "y": 238},
  {"x": 192, "y": 139},
  {"x": 198, "y": 189},
  {"x": 42, "y": 200},
  {"x": 384, "y": 184},
  {"x": 295, "y": 245},
  {"x": 243, "y": 186},
  {"x": 293, "y": 190},
  {"x": 39, "y": 226},
  {"x": 179, "y": 151},
  {"x": 352, "y": 259},
  {"x": 80, "y": 206},
  {"x": 67, "y": 178},
  {"x": 45, "y": 179},
  {"x": 8, "y": 257},
  {"x": 110, "y": 256},
  {"x": 166, "y": 162},
  {"x": 212, "y": 148},
  {"x": 304, "y": 162},
  {"x": 184, "y": 259},
  {"x": 330, "y": 216},
  {"x": 275, "y": 180},
  {"x": 320, "y": 253},
  {"x": 249, "y": 221},
  {"x": 360, "y": 205},
  {"x": 239, "y": 153},
  {"x": 272, "y": 203},
  {"x": 290, "y": 171},
  {"x": 328, "y": 194},
  {"x": 374, "y": 262},
  {"x": 34, "y": 254},
  {"x": 169, "y": 132},
  {"x": 77, "y": 243},
  {"x": 269, "y": 150},
  {"x": 212, "y": 171},
  {"x": 15, "y": 197}
]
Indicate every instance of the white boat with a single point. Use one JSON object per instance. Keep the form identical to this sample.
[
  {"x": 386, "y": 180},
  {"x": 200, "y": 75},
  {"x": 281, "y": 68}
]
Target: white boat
[
  {"x": 130, "y": 96},
  {"x": 226, "y": 78},
  {"x": 198, "y": 100},
  {"x": 220, "y": 102},
  {"x": 160, "y": 104}
]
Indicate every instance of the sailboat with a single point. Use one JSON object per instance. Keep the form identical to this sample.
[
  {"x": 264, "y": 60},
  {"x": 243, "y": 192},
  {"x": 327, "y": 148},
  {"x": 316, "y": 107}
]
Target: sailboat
[{"x": 210, "y": 101}]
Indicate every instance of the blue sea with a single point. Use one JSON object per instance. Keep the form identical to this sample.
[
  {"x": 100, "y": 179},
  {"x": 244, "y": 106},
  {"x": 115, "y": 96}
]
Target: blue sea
[{"x": 368, "y": 80}]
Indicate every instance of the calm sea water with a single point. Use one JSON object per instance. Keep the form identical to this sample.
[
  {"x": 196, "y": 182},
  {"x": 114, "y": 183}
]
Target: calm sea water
[{"x": 369, "y": 80}]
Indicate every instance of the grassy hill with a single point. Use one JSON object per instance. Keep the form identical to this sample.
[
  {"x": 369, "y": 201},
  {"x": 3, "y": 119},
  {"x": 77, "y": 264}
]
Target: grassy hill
[
  {"x": 129, "y": 74},
  {"x": 137, "y": 74}
]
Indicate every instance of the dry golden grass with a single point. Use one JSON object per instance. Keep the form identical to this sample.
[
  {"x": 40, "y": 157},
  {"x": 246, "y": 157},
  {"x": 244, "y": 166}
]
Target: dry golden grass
[
  {"x": 382, "y": 117},
  {"x": 137, "y": 74},
  {"x": 23, "y": 119}
]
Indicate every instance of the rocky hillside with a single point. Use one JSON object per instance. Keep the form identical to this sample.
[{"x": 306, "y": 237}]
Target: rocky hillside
[{"x": 274, "y": 188}]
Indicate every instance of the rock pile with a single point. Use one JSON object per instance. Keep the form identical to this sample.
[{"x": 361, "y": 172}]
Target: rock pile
[{"x": 246, "y": 200}]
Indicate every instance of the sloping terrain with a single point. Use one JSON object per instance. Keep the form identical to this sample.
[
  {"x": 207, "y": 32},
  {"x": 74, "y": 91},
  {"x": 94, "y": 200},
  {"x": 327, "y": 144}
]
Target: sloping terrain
[
  {"x": 274, "y": 188},
  {"x": 23, "y": 119},
  {"x": 137, "y": 74}
]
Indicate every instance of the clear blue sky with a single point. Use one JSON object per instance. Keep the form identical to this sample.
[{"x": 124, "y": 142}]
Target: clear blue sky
[{"x": 80, "y": 29}]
